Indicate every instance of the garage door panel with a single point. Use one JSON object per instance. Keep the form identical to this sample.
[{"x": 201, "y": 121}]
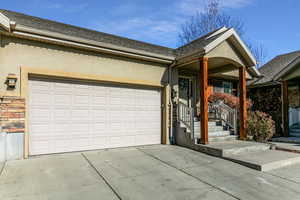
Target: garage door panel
[
  {"x": 73, "y": 116},
  {"x": 118, "y": 141},
  {"x": 60, "y": 114},
  {"x": 41, "y": 99},
  {"x": 79, "y": 100},
  {"x": 62, "y": 99},
  {"x": 146, "y": 139},
  {"x": 98, "y": 100},
  {"x": 39, "y": 129},
  {"x": 60, "y": 86}
]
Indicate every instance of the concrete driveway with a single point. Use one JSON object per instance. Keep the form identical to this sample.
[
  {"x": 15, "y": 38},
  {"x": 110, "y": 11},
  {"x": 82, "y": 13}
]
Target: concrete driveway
[{"x": 149, "y": 172}]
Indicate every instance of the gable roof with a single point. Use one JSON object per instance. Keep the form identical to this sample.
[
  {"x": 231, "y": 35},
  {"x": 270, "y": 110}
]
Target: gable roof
[
  {"x": 208, "y": 42},
  {"x": 46, "y": 30},
  {"x": 199, "y": 43},
  {"x": 272, "y": 70}
]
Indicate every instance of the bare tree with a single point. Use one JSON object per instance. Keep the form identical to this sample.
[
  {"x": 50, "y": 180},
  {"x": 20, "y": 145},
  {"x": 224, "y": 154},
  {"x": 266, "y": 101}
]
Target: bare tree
[
  {"x": 259, "y": 52},
  {"x": 211, "y": 19}
]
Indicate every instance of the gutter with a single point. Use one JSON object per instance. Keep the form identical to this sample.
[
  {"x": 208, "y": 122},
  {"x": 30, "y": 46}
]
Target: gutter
[
  {"x": 171, "y": 133},
  {"x": 57, "y": 38},
  {"x": 255, "y": 72}
]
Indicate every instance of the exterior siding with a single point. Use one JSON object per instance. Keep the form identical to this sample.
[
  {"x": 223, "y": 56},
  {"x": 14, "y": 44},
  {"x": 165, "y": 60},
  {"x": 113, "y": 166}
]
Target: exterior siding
[
  {"x": 16, "y": 52},
  {"x": 22, "y": 56}
]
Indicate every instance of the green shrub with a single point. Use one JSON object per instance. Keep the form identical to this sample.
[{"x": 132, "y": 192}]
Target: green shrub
[{"x": 260, "y": 126}]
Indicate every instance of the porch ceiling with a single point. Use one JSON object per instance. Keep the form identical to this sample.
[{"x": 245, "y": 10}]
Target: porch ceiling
[
  {"x": 217, "y": 67},
  {"x": 213, "y": 63}
]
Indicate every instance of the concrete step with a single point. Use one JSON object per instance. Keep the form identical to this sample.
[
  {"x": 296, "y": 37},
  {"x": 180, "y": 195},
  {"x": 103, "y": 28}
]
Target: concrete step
[
  {"x": 294, "y": 134},
  {"x": 244, "y": 148},
  {"x": 294, "y": 140},
  {"x": 210, "y": 128},
  {"x": 218, "y": 133},
  {"x": 212, "y": 123},
  {"x": 266, "y": 160},
  {"x": 289, "y": 147},
  {"x": 232, "y": 147},
  {"x": 213, "y": 133},
  {"x": 223, "y": 138}
]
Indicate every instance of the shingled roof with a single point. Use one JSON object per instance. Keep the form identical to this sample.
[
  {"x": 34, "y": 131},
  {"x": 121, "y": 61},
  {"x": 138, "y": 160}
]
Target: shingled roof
[
  {"x": 200, "y": 43},
  {"x": 70, "y": 30},
  {"x": 274, "y": 67},
  {"x": 30, "y": 26}
]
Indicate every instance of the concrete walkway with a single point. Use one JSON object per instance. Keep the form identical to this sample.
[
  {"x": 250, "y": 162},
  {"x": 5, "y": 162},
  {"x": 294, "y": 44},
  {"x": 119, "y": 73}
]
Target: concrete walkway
[{"x": 150, "y": 172}]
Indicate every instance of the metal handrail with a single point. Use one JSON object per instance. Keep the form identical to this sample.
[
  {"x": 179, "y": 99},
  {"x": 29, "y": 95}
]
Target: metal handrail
[
  {"x": 225, "y": 113},
  {"x": 186, "y": 116}
]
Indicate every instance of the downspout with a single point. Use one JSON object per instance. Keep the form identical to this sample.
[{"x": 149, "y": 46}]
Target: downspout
[{"x": 171, "y": 134}]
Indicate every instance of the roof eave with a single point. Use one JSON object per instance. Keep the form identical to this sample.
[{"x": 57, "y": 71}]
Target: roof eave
[
  {"x": 226, "y": 35},
  {"x": 29, "y": 32},
  {"x": 265, "y": 84},
  {"x": 286, "y": 69},
  {"x": 19, "y": 29},
  {"x": 6, "y": 23}
]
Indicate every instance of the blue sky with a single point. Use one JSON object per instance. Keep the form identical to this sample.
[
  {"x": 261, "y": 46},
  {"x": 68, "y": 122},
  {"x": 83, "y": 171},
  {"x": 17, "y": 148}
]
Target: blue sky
[{"x": 273, "y": 23}]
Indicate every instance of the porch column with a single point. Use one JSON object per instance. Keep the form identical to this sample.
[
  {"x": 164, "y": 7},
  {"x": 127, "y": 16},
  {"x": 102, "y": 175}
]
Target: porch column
[
  {"x": 285, "y": 108},
  {"x": 243, "y": 103},
  {"x": 204, "y": 99}
]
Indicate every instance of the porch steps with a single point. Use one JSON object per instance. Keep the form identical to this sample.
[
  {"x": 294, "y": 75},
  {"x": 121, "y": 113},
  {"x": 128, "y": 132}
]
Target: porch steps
[
  {"x": 258, "y": 156},
  {"x": 216, "y": 131},
  {"x": 223, "y": 138},
  {"x": 266, "y": 160},
  {"x": 289, "y": 147},
  {"x": 295, "y": 130}
]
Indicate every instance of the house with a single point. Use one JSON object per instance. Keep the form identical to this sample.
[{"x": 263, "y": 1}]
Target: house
[
  {"x": 65, "y": 88},
  {"x": 277, "y": 92}
]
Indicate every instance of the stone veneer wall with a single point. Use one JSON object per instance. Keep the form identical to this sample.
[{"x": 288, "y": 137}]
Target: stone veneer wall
[
  {"x": 268, "y": 100},
  {"x": 12, "y": 114}
]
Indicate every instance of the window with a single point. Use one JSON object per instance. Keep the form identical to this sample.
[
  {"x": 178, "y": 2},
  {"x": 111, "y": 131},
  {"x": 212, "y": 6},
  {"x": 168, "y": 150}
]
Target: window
[
  {"x": 227, "y": 87},
  {"x": 218, "y": 87}
]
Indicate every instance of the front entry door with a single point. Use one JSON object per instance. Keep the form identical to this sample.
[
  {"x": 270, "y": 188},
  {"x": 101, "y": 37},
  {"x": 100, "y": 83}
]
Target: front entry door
[{"x": 185, "y": 90}]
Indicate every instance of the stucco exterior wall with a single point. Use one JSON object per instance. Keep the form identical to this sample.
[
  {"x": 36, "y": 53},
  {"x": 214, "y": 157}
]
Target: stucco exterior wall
[
  {"x": 16, "y": 52},
  {"x": 226, "y": 50}
]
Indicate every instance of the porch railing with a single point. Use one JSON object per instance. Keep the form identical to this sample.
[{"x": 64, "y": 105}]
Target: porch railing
[
  {"x": 186, "y": 116},
  {"x": 223, "y": 112}
]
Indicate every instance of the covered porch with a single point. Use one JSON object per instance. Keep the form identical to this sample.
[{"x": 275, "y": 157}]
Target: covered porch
[
  {"x": 226, "y": 59},
  {"x": 291, "y": 106},
  {"x": 289, "y": 77}
]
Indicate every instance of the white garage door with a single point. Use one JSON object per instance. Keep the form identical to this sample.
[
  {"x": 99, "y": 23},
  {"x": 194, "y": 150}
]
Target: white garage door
[{"x": 69, "y": 116}]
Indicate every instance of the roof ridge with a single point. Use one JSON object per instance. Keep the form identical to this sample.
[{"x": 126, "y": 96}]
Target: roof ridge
[
  {"x": 285, "y": 54},
  {"x": 206, "y": 36}
]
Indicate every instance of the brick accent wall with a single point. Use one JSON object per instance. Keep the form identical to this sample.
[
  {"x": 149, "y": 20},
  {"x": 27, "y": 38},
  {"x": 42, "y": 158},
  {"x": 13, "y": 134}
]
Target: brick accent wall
[{"x": 12, "y": 114}]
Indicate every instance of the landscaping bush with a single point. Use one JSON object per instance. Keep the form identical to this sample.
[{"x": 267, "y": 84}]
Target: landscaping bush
[
  {"x": 228, "y": 99},
  {"x": 261, "y": 126}
]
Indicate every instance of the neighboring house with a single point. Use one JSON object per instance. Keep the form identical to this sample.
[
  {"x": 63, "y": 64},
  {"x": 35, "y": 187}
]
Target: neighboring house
[
  {"x": 277, "y": 92},
  {"x": 71, "y": 89}
]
